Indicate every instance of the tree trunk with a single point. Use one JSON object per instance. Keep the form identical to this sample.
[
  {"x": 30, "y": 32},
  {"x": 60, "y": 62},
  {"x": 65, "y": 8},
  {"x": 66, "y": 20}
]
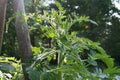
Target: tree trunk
[
  {"x": 22, "y": 35},
  {"x": 3, "y": 4}
]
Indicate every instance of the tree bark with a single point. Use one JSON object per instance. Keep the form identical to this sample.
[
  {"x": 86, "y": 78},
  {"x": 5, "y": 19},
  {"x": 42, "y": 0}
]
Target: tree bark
[
  {"x": 3, "y": 4},
  {"x": 22, "y": 35}
]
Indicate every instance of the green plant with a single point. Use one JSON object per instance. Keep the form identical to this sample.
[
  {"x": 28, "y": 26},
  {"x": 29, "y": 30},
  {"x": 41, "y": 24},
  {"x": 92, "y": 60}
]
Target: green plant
[
  {"x": 78, "y": 58},
  {"x": 10, "y": 69}
]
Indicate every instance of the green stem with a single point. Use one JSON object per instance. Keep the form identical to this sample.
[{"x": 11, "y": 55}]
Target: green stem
[
  {"x": 59, "y": 65},
  {"x": 60, "y": 75}
]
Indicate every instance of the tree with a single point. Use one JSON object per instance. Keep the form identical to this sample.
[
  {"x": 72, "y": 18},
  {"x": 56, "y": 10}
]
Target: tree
[
  {"x": 112, "y": 44},
  {"x": 9, "y": 43},
  {"x": 3, "y": 4},
  {"x": 22, "y": 35}
]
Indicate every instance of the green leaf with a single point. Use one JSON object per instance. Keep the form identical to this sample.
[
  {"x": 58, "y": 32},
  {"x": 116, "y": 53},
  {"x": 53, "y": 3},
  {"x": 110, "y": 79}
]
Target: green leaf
[
  {"x": 114, "y": 70},
  {"x": 109, "y": 62},
  {"x": 91, "y": 61},
  {"x": 105, "y": 58},
  {"x": 36, "y": 50},
  {"x": 101, "y": 50},
  {"x": 33, "y": 75},
  {"x": 45, "y": 55},
  {"x": 59, "y": 6},
  {"x": 84, "y": 18}
]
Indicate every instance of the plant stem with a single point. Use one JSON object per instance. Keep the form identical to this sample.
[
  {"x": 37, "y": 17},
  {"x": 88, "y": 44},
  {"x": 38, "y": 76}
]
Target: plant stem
[
  {"x": 60, "y": 77},
  {"x": 59, "y": 65}
]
